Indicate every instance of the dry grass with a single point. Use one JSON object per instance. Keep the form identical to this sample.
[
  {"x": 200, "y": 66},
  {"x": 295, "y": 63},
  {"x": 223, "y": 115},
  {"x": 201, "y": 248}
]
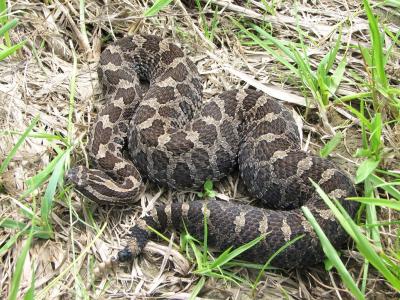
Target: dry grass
[{"x": 37, "y": 82}]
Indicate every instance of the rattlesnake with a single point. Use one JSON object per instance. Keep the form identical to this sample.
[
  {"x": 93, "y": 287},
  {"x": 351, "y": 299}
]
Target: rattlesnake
[{"x": 175, "y": 139}]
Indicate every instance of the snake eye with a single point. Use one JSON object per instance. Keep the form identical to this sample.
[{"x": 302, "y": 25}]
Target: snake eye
[{"x": 125, "y": 255}]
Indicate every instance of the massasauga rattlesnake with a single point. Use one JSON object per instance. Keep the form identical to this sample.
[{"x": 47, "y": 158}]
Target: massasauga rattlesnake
[{"x": 154, "y": 106}]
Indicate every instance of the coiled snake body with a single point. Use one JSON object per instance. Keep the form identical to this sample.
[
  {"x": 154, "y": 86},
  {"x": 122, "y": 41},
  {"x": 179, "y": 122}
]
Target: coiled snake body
[{"x": 154, "y": 105}]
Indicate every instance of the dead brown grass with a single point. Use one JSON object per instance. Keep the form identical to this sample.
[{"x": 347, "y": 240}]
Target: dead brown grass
[{"x": 36, "y": 82}]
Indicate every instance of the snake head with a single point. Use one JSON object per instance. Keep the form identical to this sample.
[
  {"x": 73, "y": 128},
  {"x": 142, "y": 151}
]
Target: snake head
[{"x": 79, "y": 177}]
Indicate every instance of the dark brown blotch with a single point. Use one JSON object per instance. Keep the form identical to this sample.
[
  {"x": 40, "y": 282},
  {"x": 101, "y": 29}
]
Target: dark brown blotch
[
  {"x": 123, "y": 127},
  {"x": 110, "y": 57},
  {"x": 212, "y": 110},
  {"x": 119, "y": 140},
  {"x": 182, "y": 175},
  {"x": 201, "y": 161},
  {"x": 140, "y": 160},
  {"x": 127, "y": 43},
  {"x": 113, "y": 112},
  {"x": 144, "y": 113},
  {"x": 152, "y": 43},
  {"x": 100, "y": 74},
  {"x": 207, "y": 132},
  {"x": 230, "y": 102},
  {"x": 151, "y": 134},
  {"x": 128, "y": 113},
  {"x": 178, "y": 143},
  {"x": 128, "y": 170},
  {"x": 113, "y": 77},
  {"x": 168, "y": 112},
  {"x": 111, "y": 147},
  {"x": 266, "y": 108},
  {"x": 108, "y": 161},
  {"x": 161, "y": 160},
  {"x": 277, "y": 127},
  {"x": 224, "y": 161},
  {"x": 187, "y": 109},
  {"x": 179, "y": 73},
  {"x": 230, "y": 134},
  {"x": 108, "y": 90},
  {"x": 167, "y": 57},
  {"x": 127, "y": 94},
  {"x": 251, "y": 99},
  {"x": 265, "y": 150},
  {"x": 100, "y": 136},
  {"x": 162, "y": 94},
  {"x": 185, "y": 90}
]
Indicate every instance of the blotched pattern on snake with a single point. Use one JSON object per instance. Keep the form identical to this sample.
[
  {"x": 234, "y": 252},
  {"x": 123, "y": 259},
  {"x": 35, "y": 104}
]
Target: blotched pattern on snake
[{"x": 154, "y": 106}]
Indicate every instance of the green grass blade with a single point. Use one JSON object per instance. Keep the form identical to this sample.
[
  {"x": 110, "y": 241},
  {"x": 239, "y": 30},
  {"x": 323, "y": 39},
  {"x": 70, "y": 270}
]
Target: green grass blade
[
  {"x": 36, "y": 135},
  {"x": 82, "y": 18},
  {"x": 378, "y": 55},
  {"x": 14, "y": 150},
  {"x": 3, "y": 20},
  {"x": 12, "y": 224},
  {"x": 337, "y": 76},
  {"x": 156, "y": 7},
  {"x": 162, "y": 236},
  {"x": 198, "y": 255},
  {"x": 205, "y": 229},
  {"x": 48, "y": 198},
  {"x": 392, "y": 3},
  {"x": 331, "y": 253},
  {"x": 229, "y": 276},
  {"x": 327, "y": 62},
  {"x": 3, "y": 11},
  {"x": 223, "y": 259},
  {"x": 372, "y": 218},
  {"x": 331, "y": 145},
  {"x": 307, "y": 76},
  {"x": 354, "y": 96},
  {"x": 36, "y": 181},
  {"x": 389, "y": 188},
  {"x": 9, "y": 25},
  {"x": 376, "y": 133},
  {"x": 30, "y": 293},
  {"x": 367, "y": 249},
  {"x": 364, "y": 121},
  {"x": 197, "y": 288},
  {"x": 333, "y": 53},
  {"x": 21, "y": 227},
  {"x": 267, "y": 263},
  {"x": 365, "y": 169},
  {"x": 276, "y": 42},
  {"x": 225, "y": 275},
  {"x": 10, "y": 50},
  {"x": 11, "y": 241},
  {"x": 25, "y": 209},
  {"x": 265, "y": 45},
  {"x": 16, "y": 278},
  {"x": 379, "y": 202}
]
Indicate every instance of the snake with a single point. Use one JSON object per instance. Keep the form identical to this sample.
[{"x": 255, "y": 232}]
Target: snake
[{"x": 156, "y": 126}]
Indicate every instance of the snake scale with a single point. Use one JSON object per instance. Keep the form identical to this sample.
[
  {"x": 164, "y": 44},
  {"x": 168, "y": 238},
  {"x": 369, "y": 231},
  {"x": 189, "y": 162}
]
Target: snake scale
[{"x": 154, "y": 108}]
